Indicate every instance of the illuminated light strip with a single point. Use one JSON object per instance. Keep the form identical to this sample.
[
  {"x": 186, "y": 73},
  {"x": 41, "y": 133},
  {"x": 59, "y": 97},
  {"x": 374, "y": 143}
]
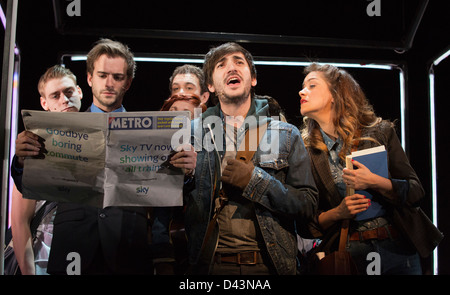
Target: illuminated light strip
[
  {"x": 402, "y": 108},
  {"x": 3, "y": 18},
  {"x": 150, "y": 59},
  {"x": 14, "y": 114},
  {"x": 257, "y": 62},
  {"x": 441, "y": 58},
  {"x": 433, "y": 167},
  {"x": 174, "y": 60},
  {"x": 434, "y": 175},
  {"x": 78, "y": 57},
  {"x": 13, "y": 133},
  {"x": 8, "y": 95},
  {"x": 340, "y": 65}
]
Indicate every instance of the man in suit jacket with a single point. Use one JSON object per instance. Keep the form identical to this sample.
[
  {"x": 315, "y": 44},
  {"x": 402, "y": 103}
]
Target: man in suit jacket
[{"x": 112, "y": 240}]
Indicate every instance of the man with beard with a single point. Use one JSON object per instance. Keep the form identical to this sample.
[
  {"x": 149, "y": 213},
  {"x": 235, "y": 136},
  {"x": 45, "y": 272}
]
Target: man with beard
[{"x": 240, "y": 217}]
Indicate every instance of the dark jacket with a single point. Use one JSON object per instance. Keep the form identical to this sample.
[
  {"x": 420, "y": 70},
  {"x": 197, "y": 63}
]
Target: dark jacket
[
  {"x": 402, "y": 208},
  {"x": 115, "y": 237}
]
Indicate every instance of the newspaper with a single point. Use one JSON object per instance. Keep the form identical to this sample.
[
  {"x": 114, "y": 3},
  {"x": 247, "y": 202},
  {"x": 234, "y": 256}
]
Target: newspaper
[{"x": 106, "y": 159}]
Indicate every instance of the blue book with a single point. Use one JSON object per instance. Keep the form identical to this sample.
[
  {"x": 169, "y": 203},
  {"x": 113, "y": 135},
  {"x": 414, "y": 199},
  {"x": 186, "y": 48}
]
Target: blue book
[{"x": 376, "y": 160}]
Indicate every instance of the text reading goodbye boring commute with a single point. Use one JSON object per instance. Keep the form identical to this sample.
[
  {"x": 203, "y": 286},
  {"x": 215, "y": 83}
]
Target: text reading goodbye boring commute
[{"x": 65, "y": 142}]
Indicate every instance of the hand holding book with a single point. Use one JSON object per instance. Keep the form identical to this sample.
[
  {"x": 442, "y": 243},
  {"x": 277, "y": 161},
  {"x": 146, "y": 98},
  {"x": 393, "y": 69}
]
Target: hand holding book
[
  {"x": 371, "y": 175},
  {"x": 361, "y": 178}
]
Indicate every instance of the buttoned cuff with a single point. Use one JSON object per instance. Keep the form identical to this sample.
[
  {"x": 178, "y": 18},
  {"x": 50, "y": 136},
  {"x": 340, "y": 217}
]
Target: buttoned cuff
[{"x": 257, "y": 184}]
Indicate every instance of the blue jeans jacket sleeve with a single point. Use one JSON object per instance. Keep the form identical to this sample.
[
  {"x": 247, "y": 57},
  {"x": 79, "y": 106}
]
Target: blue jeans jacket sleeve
[
  {"x": 281, "y": 187},
  {"x": 284, "y": 184}
]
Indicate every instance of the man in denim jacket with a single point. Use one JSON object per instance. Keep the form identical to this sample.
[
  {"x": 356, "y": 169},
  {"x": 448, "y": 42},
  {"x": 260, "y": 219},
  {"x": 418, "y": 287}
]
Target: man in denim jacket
[{"x": 254, "y": 232}]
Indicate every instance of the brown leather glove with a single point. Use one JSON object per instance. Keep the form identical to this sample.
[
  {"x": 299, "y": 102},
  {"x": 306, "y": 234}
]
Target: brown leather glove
[{"x": 238, "y": 173}]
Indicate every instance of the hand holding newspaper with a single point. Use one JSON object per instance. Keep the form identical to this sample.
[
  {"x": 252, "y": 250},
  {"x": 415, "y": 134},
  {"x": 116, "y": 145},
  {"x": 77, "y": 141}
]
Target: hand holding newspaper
[{"x": 107, "y": 159}]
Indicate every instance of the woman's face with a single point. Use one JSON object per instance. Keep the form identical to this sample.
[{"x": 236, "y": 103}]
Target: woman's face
[
  {"x": 183, "y": 105},
  {"x": 315, "y": 97}
]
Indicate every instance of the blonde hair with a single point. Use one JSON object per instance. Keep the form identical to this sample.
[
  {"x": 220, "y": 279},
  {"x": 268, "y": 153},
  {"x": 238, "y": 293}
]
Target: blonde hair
[
  {"x": 55, "y": 72},
  {"x": 352, "y": 110}
]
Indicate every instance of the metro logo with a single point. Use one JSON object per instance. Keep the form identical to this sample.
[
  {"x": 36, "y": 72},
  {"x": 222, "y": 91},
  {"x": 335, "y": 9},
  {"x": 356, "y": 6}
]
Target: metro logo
[{"x": 118, "y": 123}]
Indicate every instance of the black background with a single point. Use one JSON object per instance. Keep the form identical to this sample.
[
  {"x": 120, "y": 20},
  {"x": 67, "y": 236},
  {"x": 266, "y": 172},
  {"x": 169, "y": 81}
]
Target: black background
[{"x": 291, "y": 30}]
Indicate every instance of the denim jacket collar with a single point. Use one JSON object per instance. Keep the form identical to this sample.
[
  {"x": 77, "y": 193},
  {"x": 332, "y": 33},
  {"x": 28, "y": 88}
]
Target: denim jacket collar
[{"x": 258, "y": 108}]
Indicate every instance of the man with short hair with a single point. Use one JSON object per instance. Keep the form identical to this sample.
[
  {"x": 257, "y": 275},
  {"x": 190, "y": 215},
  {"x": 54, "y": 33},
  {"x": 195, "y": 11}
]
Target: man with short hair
[
  {"x": 59, "y": 93},
  {"x": 59, "y": 90},
  {"x": 112, "y": 240},
  {"x": 186, "y": 79},
  {"x": 110, "y": 70},
  {"x": 189, "y": 79},
  {"x": 240, "y": 217}
]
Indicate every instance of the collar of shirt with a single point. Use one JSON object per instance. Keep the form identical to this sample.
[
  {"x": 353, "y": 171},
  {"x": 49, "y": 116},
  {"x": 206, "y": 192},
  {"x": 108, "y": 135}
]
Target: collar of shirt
[
  {"x": 233, "y": 135},
  {"x": 95, "y": 109},
  {"x": 330, "y": 143},
  {"x": 334, "y": 148}
]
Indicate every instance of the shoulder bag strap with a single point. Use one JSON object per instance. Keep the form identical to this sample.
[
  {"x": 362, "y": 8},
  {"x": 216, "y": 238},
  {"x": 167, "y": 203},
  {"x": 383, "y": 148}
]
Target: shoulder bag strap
[
  {"x": 246, "y": 156},
  {"x": 349, "y": 192}
]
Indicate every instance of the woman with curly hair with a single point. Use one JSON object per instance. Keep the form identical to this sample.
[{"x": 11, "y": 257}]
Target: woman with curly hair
[
  {"x": 338, "y": 119},
  {"x": 184, "y": 102}
]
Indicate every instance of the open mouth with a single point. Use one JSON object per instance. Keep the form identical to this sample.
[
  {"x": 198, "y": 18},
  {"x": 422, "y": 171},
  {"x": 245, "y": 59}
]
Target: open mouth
[{"x": 233, "y": 80}]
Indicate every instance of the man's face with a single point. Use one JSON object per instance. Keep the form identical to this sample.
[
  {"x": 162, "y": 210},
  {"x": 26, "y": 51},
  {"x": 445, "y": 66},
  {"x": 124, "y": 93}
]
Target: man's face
[
  {"x": 61, "y": 95},
  {"x": 232, "y": 80},
  {"x": 109, "y": 82},
  {"x": 188, "y": 84}
]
